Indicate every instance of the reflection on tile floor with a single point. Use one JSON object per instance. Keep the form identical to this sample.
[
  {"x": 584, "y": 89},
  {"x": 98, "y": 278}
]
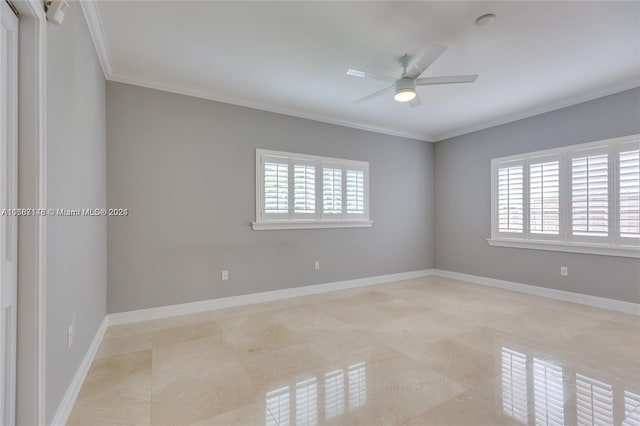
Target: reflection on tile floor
[{"x": 429, "y": 351}]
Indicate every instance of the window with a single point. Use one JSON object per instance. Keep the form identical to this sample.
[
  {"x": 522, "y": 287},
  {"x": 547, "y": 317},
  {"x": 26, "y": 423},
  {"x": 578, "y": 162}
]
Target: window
[
  {"x": 631, "y": 414},
  {"x": 295, "y": 191},
  {"x": 629, "y": 194},
  {"x": 276, "y": 188},
  {"x": 307, "y": 402},
  {"x": 544, "y": 197},
  {"x": 355, "y": 192},
  {"x": 549, "y": 393},
  {"x": 581, "y": 198},
  {"x": 277, "y": 407},
  {"x": 357, "y": 376},
  {"x": 514, "y": 385},
  {"x": 304, "y": 190},
  {"x": 594, "y": 401},
  {"x": 331, "y": 191},
  {"x": 510, "y": 198},
  {"x": 334, "y": 394},
  {"x": 590, "y": 194}
]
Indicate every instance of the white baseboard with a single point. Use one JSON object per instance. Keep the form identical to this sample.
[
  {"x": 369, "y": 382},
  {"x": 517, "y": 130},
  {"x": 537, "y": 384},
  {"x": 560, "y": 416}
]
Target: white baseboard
[
  {"x": 249, "y": 299},
  {"x": 566, "y": 296},
  {"x": 69, "y": 399},
  {"x": 268, "y": 296}
]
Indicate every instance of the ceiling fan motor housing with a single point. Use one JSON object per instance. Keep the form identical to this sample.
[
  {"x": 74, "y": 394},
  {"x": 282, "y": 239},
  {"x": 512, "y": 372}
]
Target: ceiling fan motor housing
[{"x": 403, "y": 84}]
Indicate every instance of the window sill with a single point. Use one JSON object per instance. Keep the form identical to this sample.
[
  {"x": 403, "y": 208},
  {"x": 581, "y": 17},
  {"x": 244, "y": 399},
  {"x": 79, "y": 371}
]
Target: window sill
[
  {"x": 269, "y": 226},
  {"x": 583, "y": 248}
]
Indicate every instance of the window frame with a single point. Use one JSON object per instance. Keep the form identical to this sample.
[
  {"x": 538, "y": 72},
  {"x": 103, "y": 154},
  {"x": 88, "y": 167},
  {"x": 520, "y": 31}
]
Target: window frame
[
  {"x": 611, "y": 245},
  {"x": 292, "y": 220}
]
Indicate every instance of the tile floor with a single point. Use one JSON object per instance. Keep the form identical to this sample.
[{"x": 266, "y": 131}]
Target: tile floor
[{"x": 429, "y": 351}]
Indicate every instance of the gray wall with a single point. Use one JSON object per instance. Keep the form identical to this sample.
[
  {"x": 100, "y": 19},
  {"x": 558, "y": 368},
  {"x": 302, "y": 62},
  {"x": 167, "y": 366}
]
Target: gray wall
[
  {"x": 185, "y": 168},
  {"x": 463, "y": 208},
  {"x": 76, "y": 178}
]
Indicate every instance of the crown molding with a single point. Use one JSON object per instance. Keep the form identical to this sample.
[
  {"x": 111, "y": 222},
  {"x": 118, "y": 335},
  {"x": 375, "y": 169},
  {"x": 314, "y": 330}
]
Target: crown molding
[
  {"x": 92, "y": 16},
  {"x": 166, "y": 87},
  {"x": 553, "y": 106},
  {"x": 94, "y": 22}
]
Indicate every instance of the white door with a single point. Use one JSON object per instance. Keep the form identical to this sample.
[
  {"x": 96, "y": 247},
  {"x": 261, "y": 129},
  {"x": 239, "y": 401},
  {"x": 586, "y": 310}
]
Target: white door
[{"x": 8, "y": 201}]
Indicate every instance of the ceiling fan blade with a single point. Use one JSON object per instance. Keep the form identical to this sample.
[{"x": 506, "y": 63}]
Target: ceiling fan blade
[
  {"x": 423, "y": 63},
  {"x": 415, "y": 102},
  {"x": 367, "y": 74},
  {"x": 451, "y": 79},
  {"x": 373, "y": 95}
]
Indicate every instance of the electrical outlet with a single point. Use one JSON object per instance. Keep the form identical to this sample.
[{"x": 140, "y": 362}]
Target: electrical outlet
[
  {"x": 316, "y": 266},
  {"x": 72, "y": 330},
  {"x": 225, "y": 275},
  {"x": 564, "y": 271},
  {"x": 70, "y": 336}
]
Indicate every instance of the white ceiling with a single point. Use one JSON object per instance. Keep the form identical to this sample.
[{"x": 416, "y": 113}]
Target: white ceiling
[{"x": 291, "y": 57}]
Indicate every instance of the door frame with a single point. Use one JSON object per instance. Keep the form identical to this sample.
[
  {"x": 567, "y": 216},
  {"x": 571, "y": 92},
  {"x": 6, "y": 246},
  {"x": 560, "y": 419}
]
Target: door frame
[
  {"x": 32, "y": 144},
  {"x": 9, "y": 223}
]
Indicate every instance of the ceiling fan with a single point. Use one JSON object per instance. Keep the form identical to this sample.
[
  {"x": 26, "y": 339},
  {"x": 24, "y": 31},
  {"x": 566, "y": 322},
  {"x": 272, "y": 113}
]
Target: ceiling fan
[{"x": 404, "y": 88}]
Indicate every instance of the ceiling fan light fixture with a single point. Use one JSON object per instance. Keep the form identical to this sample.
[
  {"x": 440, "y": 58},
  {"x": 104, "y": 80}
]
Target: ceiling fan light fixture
[
  {"x": 405, "y": 90},
  {"x": 404, "y": 95}
]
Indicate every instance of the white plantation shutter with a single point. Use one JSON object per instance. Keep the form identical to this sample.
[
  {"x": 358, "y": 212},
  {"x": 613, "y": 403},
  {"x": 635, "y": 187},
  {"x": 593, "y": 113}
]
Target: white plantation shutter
[
  {"x": 299, "y": 191},
  {"x": 357, "y": 376},
  {"x": 590, "y": 195},
  {"x": 331, "y": 191},
  {"x": 629, "y": 194},
  {"x": 631, "y": 409},
  {"x": 581, "y": 198},
  {"x": 276, "y": 187},
  {"x": 594, "y": 400},
  {"x": 355, "y": 192},
  {"x": 277, "y": 407},
  {"x": 304, "y": 189},
  {"x": 510, "y": 198},
  {"x": 307, "y": 403},
  {"x": 514, "y": 385},
  {"x": 548, "y": 393},
  {"x": 544, "y": 198},
  {"x": 334, "y": 394}
]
